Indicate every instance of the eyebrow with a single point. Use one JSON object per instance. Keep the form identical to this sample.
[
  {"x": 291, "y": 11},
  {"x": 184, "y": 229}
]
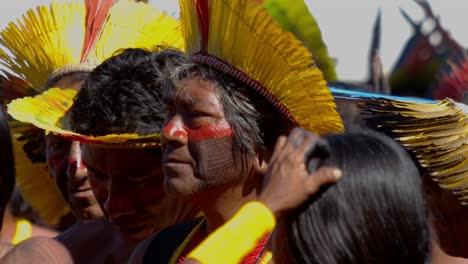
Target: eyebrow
[{"x": 185, "y": 100}]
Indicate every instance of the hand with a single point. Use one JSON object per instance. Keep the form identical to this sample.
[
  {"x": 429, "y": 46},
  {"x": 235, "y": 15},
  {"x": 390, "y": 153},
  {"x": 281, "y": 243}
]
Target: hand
[{"x": 287, "y": 183}]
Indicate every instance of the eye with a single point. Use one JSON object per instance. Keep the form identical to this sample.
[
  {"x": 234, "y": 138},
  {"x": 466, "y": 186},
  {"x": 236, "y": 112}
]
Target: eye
[
  {"x": 96, "y": 175},
  {"x": 199, "y": 114},
  {"x": 137, "y": 179}
]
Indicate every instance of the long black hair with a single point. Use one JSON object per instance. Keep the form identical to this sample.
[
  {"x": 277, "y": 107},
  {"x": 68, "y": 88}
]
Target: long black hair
[
  {"x": 375, "y": 214},
  {"x": 7, "y": 164}
]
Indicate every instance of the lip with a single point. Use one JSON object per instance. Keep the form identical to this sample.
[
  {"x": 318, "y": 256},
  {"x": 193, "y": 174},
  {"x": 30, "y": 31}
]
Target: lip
[
  {"x": 167, "y": 160},
  {"x": 81, "y": 189},
  {"x": 83, "y": 194}
]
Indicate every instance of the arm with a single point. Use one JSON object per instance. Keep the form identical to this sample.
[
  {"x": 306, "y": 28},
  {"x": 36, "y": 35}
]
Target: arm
[{"x": 287, "y": 184}]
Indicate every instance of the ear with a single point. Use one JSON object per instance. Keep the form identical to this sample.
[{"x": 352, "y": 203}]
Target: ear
[{"x": 260, "y": 164}]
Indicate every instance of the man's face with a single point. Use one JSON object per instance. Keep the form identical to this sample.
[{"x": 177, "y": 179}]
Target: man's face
[
  {"x": 70, "y": 176},
  {"x": 197, "y": 141},
  {"x": 67, "y": 170},
  {"x": 128, "y": 184}
]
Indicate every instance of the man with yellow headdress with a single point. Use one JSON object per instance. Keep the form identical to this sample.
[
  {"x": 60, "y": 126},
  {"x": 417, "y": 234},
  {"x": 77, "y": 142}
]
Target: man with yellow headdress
[
  {"x": 71, "y": 39},
  {"x": 246, "y": 82}
]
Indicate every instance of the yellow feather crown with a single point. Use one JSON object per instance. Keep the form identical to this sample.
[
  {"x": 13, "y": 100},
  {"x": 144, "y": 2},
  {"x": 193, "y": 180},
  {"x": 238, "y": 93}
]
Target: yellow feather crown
[
  {"x": 48, "y": 110},
  {"x": 295, "y": 17},
  {"x": 436, "y": 133},
  {"x": 51, "y": 37},
  {"x": 50, "y": 40},
  {"x": 239, "y": 37}
]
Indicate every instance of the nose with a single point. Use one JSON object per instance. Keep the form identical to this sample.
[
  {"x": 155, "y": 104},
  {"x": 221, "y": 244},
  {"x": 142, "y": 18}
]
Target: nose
[
  {"x": 118, "y": 203},
  {"x": 76, "y": 169},
  {"x": 174, "y": 131}
]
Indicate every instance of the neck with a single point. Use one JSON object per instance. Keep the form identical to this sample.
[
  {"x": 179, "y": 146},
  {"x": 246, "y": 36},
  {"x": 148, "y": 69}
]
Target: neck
[
  {"x": 222, "y": 203},
  {"x": 9, "y": 227}
]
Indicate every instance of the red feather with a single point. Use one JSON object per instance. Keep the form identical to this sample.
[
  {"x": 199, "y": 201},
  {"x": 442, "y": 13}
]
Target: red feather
[
  {"x": 96, "y": 15},
  {"x": 13, "y": 87},
  {"x": 203, "y": 21},
  {"x": 454, "y": 84}
]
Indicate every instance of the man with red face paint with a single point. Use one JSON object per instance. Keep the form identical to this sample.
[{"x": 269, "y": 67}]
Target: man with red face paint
[
  {"x": 66, "y": 167},
  {"x": 119, "y": 97},
  {"x": 245, "y": 83}
]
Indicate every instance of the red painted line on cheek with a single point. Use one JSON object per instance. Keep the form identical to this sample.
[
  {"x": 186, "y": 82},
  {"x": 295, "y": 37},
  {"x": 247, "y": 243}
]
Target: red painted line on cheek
[{"x": 221, "y": 129}]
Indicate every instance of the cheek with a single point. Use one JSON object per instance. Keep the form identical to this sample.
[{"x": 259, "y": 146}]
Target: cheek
[
  {"x": 150, "y": 193},
  {"x": 100, "y": 190},
  {"x": 58, "y": 163},
  {"x": 215, "y": 161}
]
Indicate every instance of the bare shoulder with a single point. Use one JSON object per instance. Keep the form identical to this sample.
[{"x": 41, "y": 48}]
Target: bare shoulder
[
  {"x": 4, "y": 248},
  {"x": 86, "y": 230},
  {"x": 140, "y": 251},
  {"x": 38, "y": 250},
  {"x": 43, "y": 231},
  {"x": 95, "y": 241}
]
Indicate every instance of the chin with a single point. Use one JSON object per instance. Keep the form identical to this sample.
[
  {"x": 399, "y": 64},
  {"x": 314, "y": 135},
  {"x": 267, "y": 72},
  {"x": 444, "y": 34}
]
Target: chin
[
  {"x": 136, "y": 235},
  {"x": 88, "y": 213},
  {"x": 182, "y": 187}
]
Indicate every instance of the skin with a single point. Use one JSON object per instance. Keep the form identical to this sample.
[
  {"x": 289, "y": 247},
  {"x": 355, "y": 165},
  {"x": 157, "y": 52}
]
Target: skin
[
  {"x": 8, "y": 229},
  {"x": 287, "y": 183},
  {"x": 128, "y": 184},
  {"x": 68, "y": 171},
  {"x": 38, "y": 250},
  {"x": 449, "y": 218},
  {"x": 198, "y": 158},
  {"x": 196, "y": 126},
  {"x": 95, "y": 241}
]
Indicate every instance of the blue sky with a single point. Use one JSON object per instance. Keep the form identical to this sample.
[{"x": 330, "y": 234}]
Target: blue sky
[{"x": 346, "y": 26}]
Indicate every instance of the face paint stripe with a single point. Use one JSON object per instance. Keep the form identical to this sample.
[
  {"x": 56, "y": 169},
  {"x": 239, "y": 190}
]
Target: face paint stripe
[{"x": 219, "y": 130}]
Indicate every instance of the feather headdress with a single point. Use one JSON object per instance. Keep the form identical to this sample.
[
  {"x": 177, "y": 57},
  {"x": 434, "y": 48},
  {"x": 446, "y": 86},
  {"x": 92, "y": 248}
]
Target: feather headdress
[
  {"x": 453, "y": 82},
  {"x": 294, "y": 16},
  {"x": 52, "y": 40},
  {"x": 435, "y": 131},
  {"x": 76, "y": 36},
  {"x": 48, "y": 110},
  {"x": 241, "y": 39}
]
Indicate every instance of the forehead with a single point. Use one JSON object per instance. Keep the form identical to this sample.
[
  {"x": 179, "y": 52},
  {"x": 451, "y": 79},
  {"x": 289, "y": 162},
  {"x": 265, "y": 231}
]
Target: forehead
[
  {"x": 194, "y": 90},
  {"x": 50, "y": 137},
  {"x": 110, "y": 159}
]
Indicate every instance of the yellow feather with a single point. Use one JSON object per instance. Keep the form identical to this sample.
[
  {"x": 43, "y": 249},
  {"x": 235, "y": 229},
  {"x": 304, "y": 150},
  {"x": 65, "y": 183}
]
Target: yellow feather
[
  {"x": 34, "y": 180},
  {"x": 295, "y": 17},
  {"x": 243, "y": 34},
  {"x": 43, "y": 41},
  {"x": 135, "y": 25},
  {"x": 436, "y": 133},
  {"x": 51, "y": 37},
  {"x": 47, "y": 111}
]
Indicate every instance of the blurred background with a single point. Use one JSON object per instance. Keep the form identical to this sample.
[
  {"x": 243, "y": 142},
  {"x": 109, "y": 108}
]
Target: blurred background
[{"x": 346, "y": 26}]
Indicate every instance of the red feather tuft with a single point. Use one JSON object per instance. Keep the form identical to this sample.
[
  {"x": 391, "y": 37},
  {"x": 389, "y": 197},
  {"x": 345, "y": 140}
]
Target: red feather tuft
[
  {"x": 454, "y": 84},
  {"x": 13, "y": 87},
  {"x": 203, "y": 21},
  {"x": 96, "y": 14}
]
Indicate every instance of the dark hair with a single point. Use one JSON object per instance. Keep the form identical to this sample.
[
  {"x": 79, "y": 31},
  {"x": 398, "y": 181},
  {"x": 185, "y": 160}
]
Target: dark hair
[
  {"x": 122, "y": 95},
  {"x": 7, "y": 165},
  {"x": 375, "y": 214},
  {"x": 255, "y": 122}
]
